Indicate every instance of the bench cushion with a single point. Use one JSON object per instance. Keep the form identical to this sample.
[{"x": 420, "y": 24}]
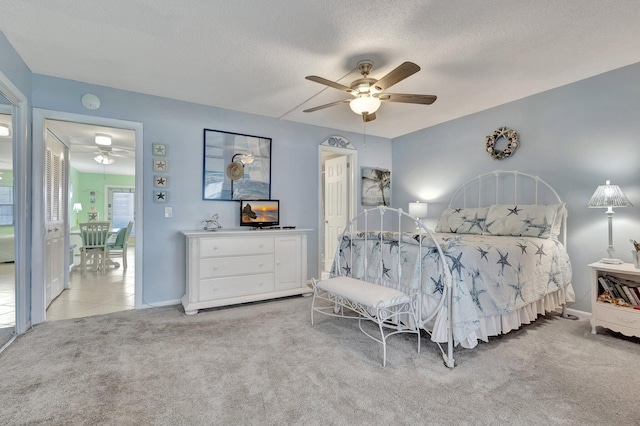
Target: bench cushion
[{"x": 368, "y": 294}]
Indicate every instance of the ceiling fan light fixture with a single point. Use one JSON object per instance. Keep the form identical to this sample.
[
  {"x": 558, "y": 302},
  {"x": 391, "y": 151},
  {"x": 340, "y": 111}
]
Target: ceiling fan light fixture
[
  {"x": 4, "y": 130},
  {"x": 103, "y": 159},
  {"x": 103, "y": 140},
  {"x": 364, "y": 103}
]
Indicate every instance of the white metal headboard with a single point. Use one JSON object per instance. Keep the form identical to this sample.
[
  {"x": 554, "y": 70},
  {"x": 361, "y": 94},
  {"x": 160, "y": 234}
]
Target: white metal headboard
[{"x": 502, "y": 178}]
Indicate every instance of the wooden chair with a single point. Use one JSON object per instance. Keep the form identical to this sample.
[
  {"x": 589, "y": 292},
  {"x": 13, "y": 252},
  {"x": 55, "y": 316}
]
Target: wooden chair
[
  {"x": 94, "y": 244},
  {"x": 118, "y": 248}
]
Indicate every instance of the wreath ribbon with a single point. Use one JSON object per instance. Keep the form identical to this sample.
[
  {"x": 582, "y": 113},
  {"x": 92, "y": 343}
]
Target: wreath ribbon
[{"x": 512, "y": 143}]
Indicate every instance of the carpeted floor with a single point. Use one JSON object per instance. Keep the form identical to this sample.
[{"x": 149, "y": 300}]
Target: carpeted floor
[{"x": 263, "y": 364}]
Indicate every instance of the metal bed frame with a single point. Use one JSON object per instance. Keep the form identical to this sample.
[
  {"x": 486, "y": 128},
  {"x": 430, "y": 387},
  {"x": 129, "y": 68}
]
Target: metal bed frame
[{"x": 503, "y": 180}]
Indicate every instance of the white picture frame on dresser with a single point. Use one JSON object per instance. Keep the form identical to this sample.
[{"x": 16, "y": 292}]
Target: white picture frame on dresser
[{"x": 240, "y": 266}]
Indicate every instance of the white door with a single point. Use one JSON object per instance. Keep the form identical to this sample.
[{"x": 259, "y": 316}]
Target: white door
[
  {"x": 55, "y": 218},
  {"x": 335, "y": 205}
]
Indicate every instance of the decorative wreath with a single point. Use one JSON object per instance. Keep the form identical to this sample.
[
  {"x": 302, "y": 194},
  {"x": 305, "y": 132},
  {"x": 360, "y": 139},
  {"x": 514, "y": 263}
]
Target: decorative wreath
[{"x": 512, "y": 145}]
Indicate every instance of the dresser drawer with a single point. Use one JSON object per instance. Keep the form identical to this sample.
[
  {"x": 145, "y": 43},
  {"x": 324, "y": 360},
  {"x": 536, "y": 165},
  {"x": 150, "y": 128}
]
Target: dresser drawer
[
  {"x": 213, "y": 247},
  {"x": 220, "y": 288},
  {"x": 215, "y": 267},
  {"x": 627, "y": 317}
]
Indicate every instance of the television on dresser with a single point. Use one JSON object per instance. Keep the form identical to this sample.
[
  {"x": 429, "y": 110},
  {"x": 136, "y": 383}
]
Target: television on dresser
[{"x": 259, "y": 213}]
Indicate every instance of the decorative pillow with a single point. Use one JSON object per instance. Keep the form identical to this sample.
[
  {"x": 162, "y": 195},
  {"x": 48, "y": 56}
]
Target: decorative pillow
[
  {"x": 557, "y": 223},
  {"x": 526, "y": 220},
  {"x": 462, "y": 221}
]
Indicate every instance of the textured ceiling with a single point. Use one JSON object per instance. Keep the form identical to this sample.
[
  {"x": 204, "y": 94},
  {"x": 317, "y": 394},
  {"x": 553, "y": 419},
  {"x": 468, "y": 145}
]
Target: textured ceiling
[{"x": 252, "y": 56}]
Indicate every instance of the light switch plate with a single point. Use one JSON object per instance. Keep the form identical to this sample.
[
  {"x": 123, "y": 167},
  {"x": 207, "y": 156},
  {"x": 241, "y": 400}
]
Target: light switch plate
[{"x": 168, "y": 212}]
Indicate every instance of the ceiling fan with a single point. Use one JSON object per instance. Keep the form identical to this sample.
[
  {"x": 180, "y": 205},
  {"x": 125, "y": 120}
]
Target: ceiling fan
[
  {"x": 106, "y": 154},
  {"x": 368, "y": 93}
]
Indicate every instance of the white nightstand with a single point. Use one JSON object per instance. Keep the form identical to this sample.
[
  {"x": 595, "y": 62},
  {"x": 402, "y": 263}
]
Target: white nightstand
[{"x": 625, "y": 320}]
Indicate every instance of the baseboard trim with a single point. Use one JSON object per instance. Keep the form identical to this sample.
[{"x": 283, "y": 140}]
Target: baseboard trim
[
  {"x": 146, "y": 305},
  {"x": 579, "y": 314}
]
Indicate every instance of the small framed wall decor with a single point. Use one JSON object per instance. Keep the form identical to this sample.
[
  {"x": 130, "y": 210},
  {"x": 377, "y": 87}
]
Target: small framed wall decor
[
  {"x": 160, "y": 196},
  {"x": 159, "y": 149},
  {"x": 160, "y": 165},
  {"x": 376, "y": 187},
  {"x": 160, "y": 181}
]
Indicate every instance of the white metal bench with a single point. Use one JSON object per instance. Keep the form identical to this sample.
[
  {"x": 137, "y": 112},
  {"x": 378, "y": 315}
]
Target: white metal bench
[
  {"x": 382, "y": 305},
  {"x": 375, "y": 298}
]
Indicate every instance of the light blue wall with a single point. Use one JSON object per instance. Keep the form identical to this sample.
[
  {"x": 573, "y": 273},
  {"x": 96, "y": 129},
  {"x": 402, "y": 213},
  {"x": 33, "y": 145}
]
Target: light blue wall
[
  {"x": 180, "y": 125},
  {"x": 12, "y": 65},
  {"x": 575, "y": 137}
]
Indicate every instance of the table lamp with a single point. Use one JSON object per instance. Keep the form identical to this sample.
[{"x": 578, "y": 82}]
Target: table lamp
[
  {"x": 609, "y": 196},
  {"x": 418, "y": 210},
  {"x": 77, "y": 207}
]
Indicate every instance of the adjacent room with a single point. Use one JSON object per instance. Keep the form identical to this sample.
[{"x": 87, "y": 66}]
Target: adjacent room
[{"x": 324, "y": 213}]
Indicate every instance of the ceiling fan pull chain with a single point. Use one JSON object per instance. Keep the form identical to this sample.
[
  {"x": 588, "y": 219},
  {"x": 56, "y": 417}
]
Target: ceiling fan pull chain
[{"x": 364, "y": 132}]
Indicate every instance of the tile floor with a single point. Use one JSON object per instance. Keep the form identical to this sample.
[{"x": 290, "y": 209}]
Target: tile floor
[
  {"x": 7, "y": 295},
  {"x": 91, "y": 293},
  {"x": 95, "y": 293}
]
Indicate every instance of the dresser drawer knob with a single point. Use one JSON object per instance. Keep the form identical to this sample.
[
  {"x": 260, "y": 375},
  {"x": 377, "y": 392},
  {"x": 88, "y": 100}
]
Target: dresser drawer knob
[
  {"x": 260, "y": 245},
  {"x": 215, "y": 268},
  {"x": 260, "y": 265},
  {"x": 215, "y": 247}
]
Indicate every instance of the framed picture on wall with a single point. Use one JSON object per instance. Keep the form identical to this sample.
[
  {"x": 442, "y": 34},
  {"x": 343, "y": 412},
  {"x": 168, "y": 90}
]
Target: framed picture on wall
[
  {"x": 160, "y": 165},
  {"x": 160, "y": 196},
  {"x": 160, "y": 181},
  {"x": 376, "y": 187},
  {"x": 236, "y": 166},
  {"x": 159, "y": 150}
]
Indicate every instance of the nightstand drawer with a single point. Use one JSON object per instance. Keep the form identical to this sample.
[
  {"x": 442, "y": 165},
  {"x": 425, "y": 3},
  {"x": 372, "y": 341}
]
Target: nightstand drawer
[
  {"x": 627, "y": 317},
  {"x": 239, "y": 265},
  {"x": 220, "y": 288}
]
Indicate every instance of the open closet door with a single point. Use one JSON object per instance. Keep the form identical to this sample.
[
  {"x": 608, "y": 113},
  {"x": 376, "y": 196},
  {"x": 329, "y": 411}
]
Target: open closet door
[{"x": 55, "y": 216}]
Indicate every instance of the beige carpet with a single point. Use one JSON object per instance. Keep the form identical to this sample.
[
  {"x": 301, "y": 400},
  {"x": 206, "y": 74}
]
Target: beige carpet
[{"x": 263, "y": 364}]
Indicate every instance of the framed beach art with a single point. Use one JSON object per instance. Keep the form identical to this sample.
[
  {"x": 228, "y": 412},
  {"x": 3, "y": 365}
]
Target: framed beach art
[
  {"x": 236, "y": 166},
  {"x": 376, "y": 187}
]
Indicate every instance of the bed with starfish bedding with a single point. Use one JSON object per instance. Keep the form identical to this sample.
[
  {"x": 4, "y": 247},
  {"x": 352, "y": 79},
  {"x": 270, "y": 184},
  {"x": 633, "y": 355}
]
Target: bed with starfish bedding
[{"x": 506, "y": 262}]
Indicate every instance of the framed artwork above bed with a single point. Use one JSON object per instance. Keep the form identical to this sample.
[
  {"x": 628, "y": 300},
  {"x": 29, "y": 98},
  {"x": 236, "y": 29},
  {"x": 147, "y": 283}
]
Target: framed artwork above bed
[{"x": 376, "y": 187}]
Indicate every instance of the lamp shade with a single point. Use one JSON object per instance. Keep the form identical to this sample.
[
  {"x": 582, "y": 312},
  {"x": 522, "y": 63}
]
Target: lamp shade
[
  {"x": 77, "y": 207},
  {"x": 364, "y": 103},
  {"x": 4, "y": 130},
  {"x": 418, "y": 209},
  {"x": 608, "y": 195}
]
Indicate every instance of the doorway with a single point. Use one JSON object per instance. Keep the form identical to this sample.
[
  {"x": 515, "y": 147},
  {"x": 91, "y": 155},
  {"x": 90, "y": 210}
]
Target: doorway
[
  {"x": 7, "y": 231},
  {"x": 337, "y": 199},
  {"x": 93, "y": 171},
  {"x": 16, "y": 158}
]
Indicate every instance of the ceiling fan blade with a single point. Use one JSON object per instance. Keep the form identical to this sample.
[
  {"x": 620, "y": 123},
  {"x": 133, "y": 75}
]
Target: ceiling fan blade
[
  {"x": 400, "y": 73},
  {"x": 408, "y": 98},
  {"x": 329, "y": 83},
  {"x": 344, "y": 101},
  {"x": 368, "y": 117}
]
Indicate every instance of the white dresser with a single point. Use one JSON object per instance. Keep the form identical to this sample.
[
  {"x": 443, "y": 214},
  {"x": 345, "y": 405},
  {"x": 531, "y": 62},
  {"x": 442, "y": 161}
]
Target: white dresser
[{"x": 238, "y": 266}]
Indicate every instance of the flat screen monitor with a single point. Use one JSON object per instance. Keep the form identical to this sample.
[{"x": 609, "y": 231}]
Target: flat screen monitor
[{"x": 259, "y": 213}]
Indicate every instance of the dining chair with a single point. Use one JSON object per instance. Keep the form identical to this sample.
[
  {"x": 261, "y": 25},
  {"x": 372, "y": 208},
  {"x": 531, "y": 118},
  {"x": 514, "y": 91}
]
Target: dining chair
[
  {"x": 118, "y": 248},
  {"x": 94, "y": 245}
]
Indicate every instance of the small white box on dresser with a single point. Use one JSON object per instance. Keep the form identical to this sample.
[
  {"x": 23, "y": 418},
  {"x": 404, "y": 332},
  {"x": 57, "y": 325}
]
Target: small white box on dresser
[
  {"x": 625, "y": 320},
  {"x": 239, "y": 266}
]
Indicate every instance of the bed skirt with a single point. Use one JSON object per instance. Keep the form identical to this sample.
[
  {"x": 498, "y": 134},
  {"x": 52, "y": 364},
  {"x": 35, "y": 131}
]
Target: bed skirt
[{"x": 504, "y": 323}]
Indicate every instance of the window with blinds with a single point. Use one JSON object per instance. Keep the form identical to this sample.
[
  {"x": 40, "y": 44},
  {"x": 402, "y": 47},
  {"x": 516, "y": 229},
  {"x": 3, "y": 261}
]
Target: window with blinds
[{"x": 6, "y": 205}]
